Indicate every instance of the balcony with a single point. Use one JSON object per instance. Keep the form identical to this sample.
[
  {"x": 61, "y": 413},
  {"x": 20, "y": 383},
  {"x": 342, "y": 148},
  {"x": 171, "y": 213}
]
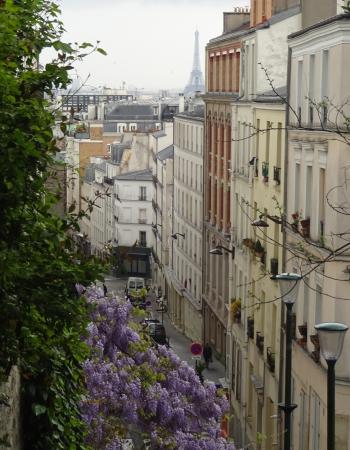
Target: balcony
[
  {"x": 108, "y": 180},
  {"x": 277, "y": 175},
  {"x": 250, "y": 327},
  {"x": 303, "y": 332},
  {"x": 270, "y": 358},
  {"x": 265, "y": 171},
  {"x": 260, "y": 342},
  {"x": 316, "y": 353},
  {"x": 142, "y": 243}
]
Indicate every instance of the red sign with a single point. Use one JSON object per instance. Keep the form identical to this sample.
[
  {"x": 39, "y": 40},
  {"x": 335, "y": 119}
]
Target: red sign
[{"x": 196, "y": 349}]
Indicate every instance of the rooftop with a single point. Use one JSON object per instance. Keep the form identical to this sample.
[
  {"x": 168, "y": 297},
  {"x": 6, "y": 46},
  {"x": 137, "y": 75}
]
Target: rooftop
[
  {"x": 139, "y": 175},
  {"x": 166, "y": 153},
  {"x": 132, "y": 112}
]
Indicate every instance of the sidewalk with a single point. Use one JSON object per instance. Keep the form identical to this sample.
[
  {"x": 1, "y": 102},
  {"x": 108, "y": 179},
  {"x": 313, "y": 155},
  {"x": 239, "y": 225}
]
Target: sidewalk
[
  {"x": 178, "y": 342},
  {"x": 181, "y": 346}
]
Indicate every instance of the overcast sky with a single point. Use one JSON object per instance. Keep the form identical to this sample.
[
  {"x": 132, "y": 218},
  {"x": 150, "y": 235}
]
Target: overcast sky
[{"x": 150, "y": 43}]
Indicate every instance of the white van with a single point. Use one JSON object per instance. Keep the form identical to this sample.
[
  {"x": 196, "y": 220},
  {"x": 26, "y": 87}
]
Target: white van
[{"x": 134, "y": 284}]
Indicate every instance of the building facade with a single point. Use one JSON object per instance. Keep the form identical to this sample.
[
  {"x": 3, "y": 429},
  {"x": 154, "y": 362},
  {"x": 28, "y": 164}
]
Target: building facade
[
  {"x": 133, "y": 223},
  {"x": 185, "y": 280},
  {"x": 222, "y": 88},
  {"x": 318, "y": 164}
]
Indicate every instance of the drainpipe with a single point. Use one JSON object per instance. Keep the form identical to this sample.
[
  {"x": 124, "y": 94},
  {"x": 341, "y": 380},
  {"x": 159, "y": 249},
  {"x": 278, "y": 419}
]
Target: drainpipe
[{"x": 281, "y": 372}]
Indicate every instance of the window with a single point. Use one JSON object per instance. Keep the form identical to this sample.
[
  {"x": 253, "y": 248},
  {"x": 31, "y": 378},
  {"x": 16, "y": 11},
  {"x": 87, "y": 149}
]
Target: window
[
  {"x": 143, "y": 239},
  {"x": 297, "y": 188},
  {"x": 318, "y": 305},
  {"x": 143, "y": 193},
  {"x": 315, "y": 421},
  {"x": 311, "y": 93},
  {"x": 142, "y": 215},
  {"x": 308, "y": 199},
  {"x": 299, "y": 89}
]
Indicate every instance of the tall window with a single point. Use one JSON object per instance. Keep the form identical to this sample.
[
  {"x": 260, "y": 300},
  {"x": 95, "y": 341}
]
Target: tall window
[
  {"x": 321, "y": 202},
  {"x": 297, "y": 188},
  {"x": 311, "y": 93},
  {"x": 143, "y": 239},
  {"x": 143, "y": 193},
  {"x": 299, "y": 88},
  {"x": 308, "y": 192},
  {"x": 324, "y": 85}
]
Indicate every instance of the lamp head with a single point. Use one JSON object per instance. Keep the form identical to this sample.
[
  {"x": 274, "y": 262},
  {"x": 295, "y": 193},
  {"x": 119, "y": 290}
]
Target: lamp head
[
  {"x": 289, "y": 285},
  {"x": 216, "y": 251},
  {"x": 260, "y": 222},
  {"x": 331, "y": 337}
]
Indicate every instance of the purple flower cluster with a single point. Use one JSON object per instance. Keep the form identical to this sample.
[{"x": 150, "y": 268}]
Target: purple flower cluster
[{"x": 135, "y": 388}]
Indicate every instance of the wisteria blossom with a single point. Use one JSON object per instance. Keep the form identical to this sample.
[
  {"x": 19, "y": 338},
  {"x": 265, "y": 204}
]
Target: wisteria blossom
[{"x": 140, "y": 390}]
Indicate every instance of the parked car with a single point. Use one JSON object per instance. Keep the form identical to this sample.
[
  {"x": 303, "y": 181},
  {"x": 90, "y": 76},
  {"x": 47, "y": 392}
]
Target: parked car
[
  {"x": 135, "y": 289},
  {"x": 157, "y": 333},
  {"x": 146, "y": 321}
]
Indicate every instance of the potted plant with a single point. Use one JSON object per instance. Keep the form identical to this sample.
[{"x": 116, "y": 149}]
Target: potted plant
[
  {"x": 235, "y": 309},
  {"x": 295, "y": 223},
  {"x": 247, "y": 242},
  {"x": 305, "y": 227},
  {"x": 259, "y": 249}
]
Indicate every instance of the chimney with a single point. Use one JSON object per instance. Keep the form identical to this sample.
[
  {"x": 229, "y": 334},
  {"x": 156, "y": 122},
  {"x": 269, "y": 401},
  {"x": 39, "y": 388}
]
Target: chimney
[
  {"x": 235, "y": 19},
  {"x": 181, "y": 103}
]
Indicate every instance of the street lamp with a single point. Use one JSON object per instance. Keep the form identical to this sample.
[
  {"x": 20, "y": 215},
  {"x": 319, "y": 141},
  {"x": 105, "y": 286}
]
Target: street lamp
[
  {"x": 261, "y": 223},
  {"x": 331, "y": 337},
  {"x": 219, "y": 248},
  {"x": 289, "y": 286},
  {"x": 174, "y": 235}
]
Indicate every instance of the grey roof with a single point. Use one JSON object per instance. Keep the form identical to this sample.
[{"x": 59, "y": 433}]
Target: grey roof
[
  {"x": 166, "y": 153},
  {"x": 198, "y": 113},
  {"x": 131, "y": 112},
  {"x": 159, "y": 134},
  {"x": 90, "y": 172},
  {"x": 110, "y": 127},
  {"x": 272, "y": 97},
  {"x": 82, "y": 136},
  {"x": 320, "y": 24},
  {"x": 101, "y": 166},
  {"x": 139, "y": 175},
  {"x": 117, "y": 151}
]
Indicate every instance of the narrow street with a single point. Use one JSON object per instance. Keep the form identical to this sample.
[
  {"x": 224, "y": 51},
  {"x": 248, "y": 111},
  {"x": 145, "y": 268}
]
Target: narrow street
[{"x": 178, "y": 342}]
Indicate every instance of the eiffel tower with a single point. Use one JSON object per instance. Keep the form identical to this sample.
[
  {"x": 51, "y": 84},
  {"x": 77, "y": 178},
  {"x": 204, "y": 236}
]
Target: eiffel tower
[{"x": 196, "y": 82}]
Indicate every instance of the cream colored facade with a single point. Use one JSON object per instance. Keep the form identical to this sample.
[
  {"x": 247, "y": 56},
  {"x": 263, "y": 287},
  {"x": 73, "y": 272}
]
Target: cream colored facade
[
  {"x": 318, "y": 161},
  {"x": 258, "y": 124},
  {"x": 184, "y": 270}
]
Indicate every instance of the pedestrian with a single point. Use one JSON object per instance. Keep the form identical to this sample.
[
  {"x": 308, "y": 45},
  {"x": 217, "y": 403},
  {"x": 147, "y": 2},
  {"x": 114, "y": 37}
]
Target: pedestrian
[
  {"x": 105, "y": 290},
  {"x": 207, "y": 355}
]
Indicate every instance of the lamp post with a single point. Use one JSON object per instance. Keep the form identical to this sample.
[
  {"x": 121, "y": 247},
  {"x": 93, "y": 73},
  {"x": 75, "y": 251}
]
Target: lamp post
[
  {"x": 219, "y": 248},
  {"x": 289, "y": 286},
  {"x": 331, "y": 337},
  {"x": 175, "y": 235}
]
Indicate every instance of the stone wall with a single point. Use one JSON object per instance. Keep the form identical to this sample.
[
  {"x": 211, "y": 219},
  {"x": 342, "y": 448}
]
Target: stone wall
[{"x": 10, "y": 412}]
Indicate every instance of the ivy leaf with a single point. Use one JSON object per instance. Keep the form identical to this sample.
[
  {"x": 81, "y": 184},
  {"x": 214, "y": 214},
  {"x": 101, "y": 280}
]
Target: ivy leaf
[
  {"x": 100, "y": 50},
  {"x": 39, "y": 409}
]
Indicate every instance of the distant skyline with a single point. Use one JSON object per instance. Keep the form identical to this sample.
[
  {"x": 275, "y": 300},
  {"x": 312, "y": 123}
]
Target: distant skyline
[{"x": 149, "y": 43}]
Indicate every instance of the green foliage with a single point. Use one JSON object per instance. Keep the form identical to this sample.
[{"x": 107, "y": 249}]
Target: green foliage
[{"x": 42, "y": 318}]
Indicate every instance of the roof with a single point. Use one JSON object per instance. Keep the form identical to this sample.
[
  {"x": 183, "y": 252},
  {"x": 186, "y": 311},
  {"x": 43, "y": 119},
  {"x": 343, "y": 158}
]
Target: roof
[
  {"x": 159, "y": 134},
  {"x": 131, "y": 112},
  {"x": 198, "y": 113},
  {"x": 320, "y": 24},
  {"x": 139, "y": 175},
  {"x": 82, "y": 135},
  {"x": 166, "y": 153},
  {"x": 272, "y": 96},
  {"x": 117, "y": 151}
]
